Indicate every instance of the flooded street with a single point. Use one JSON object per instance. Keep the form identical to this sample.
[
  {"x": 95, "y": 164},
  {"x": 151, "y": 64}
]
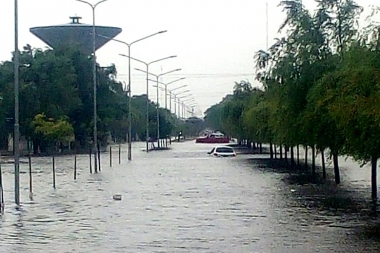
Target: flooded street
[{"x": 179, "y": 200}]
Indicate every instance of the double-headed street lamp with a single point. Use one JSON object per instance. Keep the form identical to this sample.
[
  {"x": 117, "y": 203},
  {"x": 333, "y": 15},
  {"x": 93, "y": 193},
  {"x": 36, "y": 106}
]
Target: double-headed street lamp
[
  {"x": 158, "y": 114},
  {"x": 129, "y": 87},
  {"x": 93, "y": 7},
  {"x": 147, "y": 92}
]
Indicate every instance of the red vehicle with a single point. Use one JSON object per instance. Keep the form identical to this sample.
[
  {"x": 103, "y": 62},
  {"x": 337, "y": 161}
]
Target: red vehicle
[{"x": 213, "y": 138}]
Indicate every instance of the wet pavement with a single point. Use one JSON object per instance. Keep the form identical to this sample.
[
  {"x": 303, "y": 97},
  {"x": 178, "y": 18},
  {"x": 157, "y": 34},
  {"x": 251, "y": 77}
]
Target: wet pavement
[{"x": 178, "y": 200}]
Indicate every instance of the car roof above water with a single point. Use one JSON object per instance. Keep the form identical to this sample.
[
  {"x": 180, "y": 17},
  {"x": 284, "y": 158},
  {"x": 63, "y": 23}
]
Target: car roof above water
[{"x": 224, "y": 147}]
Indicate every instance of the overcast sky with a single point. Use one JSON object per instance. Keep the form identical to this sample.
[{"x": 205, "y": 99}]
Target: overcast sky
[{"x": 214, "y": 40}]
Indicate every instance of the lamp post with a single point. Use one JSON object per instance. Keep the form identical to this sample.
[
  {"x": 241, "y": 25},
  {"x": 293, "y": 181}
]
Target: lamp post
[
  {"x": 185, "y": 100},
  {"x": 129, "y": 45},
  {"x": 166, "y": 89},
  {"x": 191, "y": 109},
  {"x": 179, "y": 104},
  {"x": 93, "y": 7},
  {"x": 170, "y": 92},
  {"x": 185, "y": 105},
  {"x": 182, "y": 86},
  {"x": 147, "y": 92},
  {"x": 188, "y": 101},
  {"x": 158, "y": 114},
  {"x": 16, "y": 136},
  {"x": 177, "y": 98}
]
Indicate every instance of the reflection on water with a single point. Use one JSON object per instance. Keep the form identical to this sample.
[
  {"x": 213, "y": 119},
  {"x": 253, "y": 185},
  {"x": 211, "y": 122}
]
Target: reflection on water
[{"x": 180, "y": 200}]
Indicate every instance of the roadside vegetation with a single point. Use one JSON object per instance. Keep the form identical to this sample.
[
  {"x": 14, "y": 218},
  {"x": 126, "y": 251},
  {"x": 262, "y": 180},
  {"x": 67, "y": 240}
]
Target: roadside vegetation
[
  {"x": 320, "y": 88},
  {"x": 56, "y": 103}
]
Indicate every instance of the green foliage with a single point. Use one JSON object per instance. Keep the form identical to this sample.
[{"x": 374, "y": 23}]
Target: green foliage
[
  {"x": 321, "y": 84},
  {"x": 53, "y": 131},
  {"x": 59, "y": 84},
  {"x": 355, "y": 102},
  {"x": 213, "y": 115}
]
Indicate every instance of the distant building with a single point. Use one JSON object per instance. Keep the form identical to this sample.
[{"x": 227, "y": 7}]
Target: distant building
[{"x": 75, "y": 33}]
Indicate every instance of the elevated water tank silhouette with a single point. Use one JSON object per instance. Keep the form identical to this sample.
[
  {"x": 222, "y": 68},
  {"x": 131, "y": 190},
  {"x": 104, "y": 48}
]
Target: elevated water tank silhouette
[{"x": 75, "y": 33}]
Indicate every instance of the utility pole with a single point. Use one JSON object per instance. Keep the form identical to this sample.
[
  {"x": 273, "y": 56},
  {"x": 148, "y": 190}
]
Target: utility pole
[{"x": 16, "y": 137}]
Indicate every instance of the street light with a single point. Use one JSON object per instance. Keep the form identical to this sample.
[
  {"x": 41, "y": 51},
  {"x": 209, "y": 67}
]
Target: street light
[
  {"x": 93, "y": 7},
  {"x": 158, "y": 115},
  {"x": 166, "y": 89},
  {"x": 182, "y": 86},
  {"x": 193, "y": 104},
  {"x": 147, "y": 92},
  {"x": 16, "y": 137},
  {"x": 192, "y": 100},
  {"x": 171, "y": 93},
  {"x": 182, "y": 92},
  {"x": 176, "y": 96},
  {"x": 184, "y": 96},
  {"x": 129, "y": 86},
  {"x": 166, "y": 92},
  {"x": 186, "y": 103},
  {"x": 179, "y": 104},
  {"x": 188, "y": 100},
  {"x": 191, "y": 109}
]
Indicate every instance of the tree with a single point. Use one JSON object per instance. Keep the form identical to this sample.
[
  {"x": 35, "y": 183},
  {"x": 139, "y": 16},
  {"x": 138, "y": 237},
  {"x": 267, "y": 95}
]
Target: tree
[
  {"x": 354, "y": 106},
  {"x": 58, "y": 83},
  {"x": 213, "y": 115},
  {"x": 53, "y": 132}
]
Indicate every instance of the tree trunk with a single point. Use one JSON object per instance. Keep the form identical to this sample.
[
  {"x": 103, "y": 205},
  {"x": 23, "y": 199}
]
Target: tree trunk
[
  {"x": 298, "y": 155},
  {"x": 323, "y": 164},
  {"x": 292, "y": 156},
  {"x": 286, "y": 153},
  {"x": 271, "y": 150},
  {"x": 281, "y": 152},
  {"x": 313, "y": 160},
  {"x": 374, "y": 177},
  {"x": 336, "y": 168},
  {"x": 305, "y": 157},
  {"x": 261, "y": 148},
  {"x": 275, "y": 151}
]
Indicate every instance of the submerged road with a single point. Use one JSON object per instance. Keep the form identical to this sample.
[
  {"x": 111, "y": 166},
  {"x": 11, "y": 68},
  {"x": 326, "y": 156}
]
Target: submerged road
[{"x": 180, "y": 200}]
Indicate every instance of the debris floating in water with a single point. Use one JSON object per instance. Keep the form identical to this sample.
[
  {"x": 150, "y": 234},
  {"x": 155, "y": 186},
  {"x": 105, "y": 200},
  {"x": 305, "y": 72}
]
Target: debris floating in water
[{"x": 117, "y": 197}]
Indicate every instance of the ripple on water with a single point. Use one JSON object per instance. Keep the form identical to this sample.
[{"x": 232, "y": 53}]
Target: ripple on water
[{"x": 179, "y": 200}]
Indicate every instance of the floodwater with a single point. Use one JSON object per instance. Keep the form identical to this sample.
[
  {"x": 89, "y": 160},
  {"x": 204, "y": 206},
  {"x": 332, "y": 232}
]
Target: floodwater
[{"x": 180, "y": 200}]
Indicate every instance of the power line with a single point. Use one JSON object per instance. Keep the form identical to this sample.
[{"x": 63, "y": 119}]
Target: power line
[{"x": 201, "y": 75}]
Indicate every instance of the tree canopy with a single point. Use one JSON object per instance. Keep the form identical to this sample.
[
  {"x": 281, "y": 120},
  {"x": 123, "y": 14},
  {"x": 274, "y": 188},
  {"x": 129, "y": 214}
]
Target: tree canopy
[
  {"x": 320, "y": 85},
  {"x": 56, "y": 101}
]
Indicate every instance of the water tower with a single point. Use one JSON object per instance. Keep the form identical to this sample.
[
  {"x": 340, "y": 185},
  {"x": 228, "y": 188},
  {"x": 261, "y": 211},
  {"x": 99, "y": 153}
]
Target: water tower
[{"x": 75, "y": 33}]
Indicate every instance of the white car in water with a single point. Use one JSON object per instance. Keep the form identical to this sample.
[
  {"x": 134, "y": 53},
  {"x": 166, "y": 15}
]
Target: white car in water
[{"x": 222, "y": 151}]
